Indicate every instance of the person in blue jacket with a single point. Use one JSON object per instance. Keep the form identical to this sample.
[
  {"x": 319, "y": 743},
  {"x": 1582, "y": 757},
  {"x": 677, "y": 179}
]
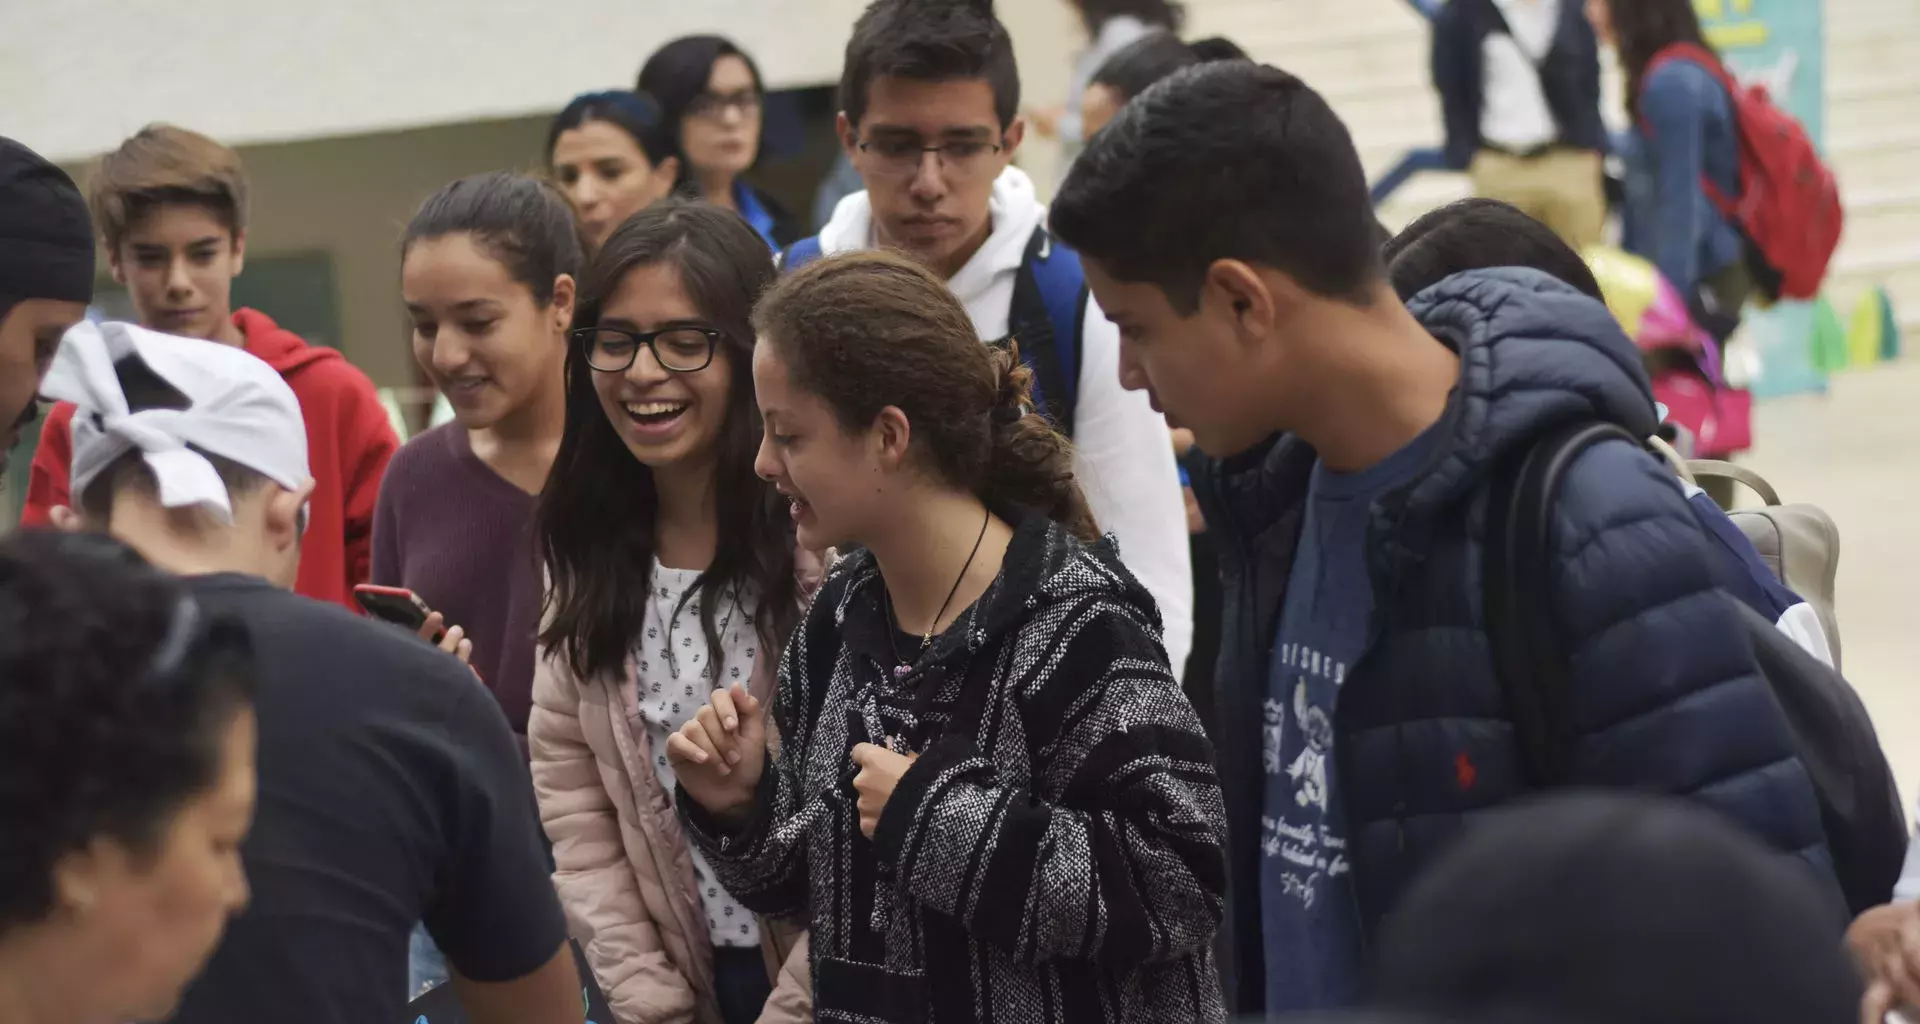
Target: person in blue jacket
[
  {"x": 1684, "y": 133},
  {"x": 1359, "y": 720},
  {"x": 1477, "y": 234}
]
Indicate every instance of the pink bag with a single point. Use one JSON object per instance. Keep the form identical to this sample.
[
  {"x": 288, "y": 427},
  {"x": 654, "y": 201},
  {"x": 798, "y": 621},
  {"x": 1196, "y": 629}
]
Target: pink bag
[
  {"x": 1697, "y": 397},
  {"x": 1667, "y": 324}
]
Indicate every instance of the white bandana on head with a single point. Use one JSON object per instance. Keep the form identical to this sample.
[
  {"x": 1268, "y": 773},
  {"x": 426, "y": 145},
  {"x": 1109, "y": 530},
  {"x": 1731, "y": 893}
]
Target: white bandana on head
[{"x": 238, "y": 408}]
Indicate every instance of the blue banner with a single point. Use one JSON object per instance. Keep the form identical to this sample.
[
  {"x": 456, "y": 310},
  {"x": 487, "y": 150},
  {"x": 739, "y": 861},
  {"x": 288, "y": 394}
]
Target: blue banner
[{"x": 1781, "y": 44}]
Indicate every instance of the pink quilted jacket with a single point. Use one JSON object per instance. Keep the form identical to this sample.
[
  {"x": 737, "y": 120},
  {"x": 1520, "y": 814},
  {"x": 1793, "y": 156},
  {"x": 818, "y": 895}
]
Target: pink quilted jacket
[{"x": 623, "y": 868}]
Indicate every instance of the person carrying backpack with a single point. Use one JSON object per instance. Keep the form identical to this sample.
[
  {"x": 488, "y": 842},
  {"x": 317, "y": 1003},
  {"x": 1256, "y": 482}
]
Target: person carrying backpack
[
  {"x": 929, "y": 116},
  {"x": 1361, "y": 722},
  {"x": 1740, "y": 200}
]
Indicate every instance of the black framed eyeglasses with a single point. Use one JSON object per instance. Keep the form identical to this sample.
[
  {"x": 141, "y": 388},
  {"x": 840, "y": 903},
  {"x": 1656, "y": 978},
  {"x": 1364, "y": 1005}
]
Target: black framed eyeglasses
[
  {"x": 676, "y": 349},
  {"x": 903, "y": 155}
]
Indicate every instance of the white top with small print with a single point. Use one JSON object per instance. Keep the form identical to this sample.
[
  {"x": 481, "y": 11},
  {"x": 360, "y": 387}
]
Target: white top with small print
[{"x": 674, "y": 687}]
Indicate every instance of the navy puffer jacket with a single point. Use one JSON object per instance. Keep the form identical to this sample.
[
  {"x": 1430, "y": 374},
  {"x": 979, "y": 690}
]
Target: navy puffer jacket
[{"x": 1665, "y": 696}]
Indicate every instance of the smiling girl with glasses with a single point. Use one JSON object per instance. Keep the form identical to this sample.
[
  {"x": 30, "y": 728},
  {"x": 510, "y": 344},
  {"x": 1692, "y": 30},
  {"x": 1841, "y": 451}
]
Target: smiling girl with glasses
[{"x": 672, "y": 572}]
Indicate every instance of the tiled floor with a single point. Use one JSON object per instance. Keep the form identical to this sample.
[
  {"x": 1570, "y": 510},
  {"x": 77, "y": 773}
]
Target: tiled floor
[{"x": 1855, "y": 451}]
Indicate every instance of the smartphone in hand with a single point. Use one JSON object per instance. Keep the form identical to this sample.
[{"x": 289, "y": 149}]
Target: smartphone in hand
[{"x": 397, "y": 605}]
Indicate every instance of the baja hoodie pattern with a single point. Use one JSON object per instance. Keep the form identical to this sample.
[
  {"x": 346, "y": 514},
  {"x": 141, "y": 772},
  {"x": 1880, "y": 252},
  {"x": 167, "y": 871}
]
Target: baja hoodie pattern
[
  {"x": 1059, "y": 862},
  {"x": 349, "y": 440}
]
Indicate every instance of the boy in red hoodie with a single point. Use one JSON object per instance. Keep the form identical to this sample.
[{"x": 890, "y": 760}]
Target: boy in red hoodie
[{"x": 171, "y": 206}]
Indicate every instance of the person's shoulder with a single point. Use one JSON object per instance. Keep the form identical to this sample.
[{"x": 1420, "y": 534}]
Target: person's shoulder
[
  {"x": 1616, "y": 485},
  {"x": 428, "y": 450},
  {"x": 1677, "y": 79}
]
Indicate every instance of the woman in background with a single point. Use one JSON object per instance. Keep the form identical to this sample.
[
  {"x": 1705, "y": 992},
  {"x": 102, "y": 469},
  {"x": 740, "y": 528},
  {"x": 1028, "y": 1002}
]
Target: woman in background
[
  {"x": 673, "y": 572},
  {"x": 127, "y": 739},
  {"x": 1684, "y": 133},
  {"x": 713, "y": 98},
  {"x": 613, "y": 156}
]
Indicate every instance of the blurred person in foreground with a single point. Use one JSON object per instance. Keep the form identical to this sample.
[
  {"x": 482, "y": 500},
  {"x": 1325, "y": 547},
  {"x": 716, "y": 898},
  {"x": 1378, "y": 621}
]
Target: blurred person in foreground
[
  {"x": 127, "y": 740},
  {"x": 1607, "y": 908},
  {"x": 390, "y": 787},
  {"x": 171, "y": 208},
  {"x": 1360, "y": 720},
  {"x": 46, "y": 278}
]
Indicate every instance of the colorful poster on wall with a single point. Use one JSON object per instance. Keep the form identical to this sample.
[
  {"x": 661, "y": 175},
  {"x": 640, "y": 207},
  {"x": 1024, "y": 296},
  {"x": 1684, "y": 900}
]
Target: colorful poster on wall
[{"x": 1781, "y": 44}]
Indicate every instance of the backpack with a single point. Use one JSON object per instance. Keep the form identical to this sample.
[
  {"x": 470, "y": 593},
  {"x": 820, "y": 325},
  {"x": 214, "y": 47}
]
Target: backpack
[
  {"x": 1799, "y": 543},
  {"x": 1048, "y": 315},
  {"x": 1789, "y": 205},
  {"x": 1833, "y": 736}
]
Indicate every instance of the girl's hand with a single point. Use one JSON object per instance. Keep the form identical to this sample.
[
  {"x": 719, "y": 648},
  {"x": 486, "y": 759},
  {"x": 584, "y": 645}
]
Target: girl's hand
[
  {"x": 720, "y": 755},
  {"x": 880, "y": 771},
  {"x": 452, "y": 640}
]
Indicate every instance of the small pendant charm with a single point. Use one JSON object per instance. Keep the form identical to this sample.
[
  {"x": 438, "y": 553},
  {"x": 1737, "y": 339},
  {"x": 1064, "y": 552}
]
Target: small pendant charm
[{"x": 900, "y": 671}]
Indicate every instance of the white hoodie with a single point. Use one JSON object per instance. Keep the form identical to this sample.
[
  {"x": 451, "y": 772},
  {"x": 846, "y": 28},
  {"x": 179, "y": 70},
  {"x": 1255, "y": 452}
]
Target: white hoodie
[{"x": 1123, "y": 457}]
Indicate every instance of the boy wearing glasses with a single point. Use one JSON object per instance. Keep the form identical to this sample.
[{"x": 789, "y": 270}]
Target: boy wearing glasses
[
  {"x": 929, "y": 117},
  {"x": 171, "y": 207}
]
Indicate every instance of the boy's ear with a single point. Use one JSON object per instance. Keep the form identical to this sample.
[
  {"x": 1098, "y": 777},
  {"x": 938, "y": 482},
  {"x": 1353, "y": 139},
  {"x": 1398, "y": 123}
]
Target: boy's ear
[
  {"x": 239, "y": 251},
  {"x": 113, "y": 263},
  {"x": 1245, "y": 294}
]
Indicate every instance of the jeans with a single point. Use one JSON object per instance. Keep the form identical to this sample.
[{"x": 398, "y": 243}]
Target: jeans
[{"x": 426, "y": 965}]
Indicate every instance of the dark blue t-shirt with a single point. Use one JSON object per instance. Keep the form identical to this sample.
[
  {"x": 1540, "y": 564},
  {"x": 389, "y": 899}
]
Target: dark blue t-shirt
[{"x": 1310, "y": 922}]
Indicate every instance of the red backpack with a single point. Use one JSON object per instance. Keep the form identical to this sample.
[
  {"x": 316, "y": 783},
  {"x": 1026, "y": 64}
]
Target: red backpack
[{"x": 1789, "y": 204}]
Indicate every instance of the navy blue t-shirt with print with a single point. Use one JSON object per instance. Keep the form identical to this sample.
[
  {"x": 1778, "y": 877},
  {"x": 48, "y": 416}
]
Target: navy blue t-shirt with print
[{"x": 1309, "y": 919}]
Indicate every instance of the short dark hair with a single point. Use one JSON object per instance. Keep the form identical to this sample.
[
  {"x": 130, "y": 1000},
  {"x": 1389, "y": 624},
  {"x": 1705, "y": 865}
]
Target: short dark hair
[
  {"x": 522, "y": 222},
  {"x": 1163, "y": 192},
  {"x": 1478, "y": 234},
  {"x": 117, "y": 699},
  {"x": 930, "y": 41},
  {"x": 637, "y": 114},
  {"x": 1135, "y": 67}
]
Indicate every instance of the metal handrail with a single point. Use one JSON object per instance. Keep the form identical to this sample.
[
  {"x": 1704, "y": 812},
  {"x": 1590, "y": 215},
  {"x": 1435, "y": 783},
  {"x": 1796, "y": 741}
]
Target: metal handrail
[{"x": 1417, "y": 161}]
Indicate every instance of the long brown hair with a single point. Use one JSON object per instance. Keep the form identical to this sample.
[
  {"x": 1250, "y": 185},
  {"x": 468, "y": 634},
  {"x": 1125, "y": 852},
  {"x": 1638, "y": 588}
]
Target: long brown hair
[
  {"x": 870, "y": 330},
  {"x": 598, "y": 513},
  {"x": 1642, "y": 28}
]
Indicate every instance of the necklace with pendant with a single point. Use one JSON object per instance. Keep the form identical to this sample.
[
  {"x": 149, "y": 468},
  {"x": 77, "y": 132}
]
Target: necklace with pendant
[{"x": 902, "y": 665}]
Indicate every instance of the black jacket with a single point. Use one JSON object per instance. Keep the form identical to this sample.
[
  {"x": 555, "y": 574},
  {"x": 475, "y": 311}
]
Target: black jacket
[
  {"x": 1570, "y": 76},
  {"x": 1060, "y": 861},
  {"x": 1664, "y": 688}
]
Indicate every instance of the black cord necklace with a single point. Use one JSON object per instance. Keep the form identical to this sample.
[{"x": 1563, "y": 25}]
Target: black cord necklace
[{"x": 902, "y": 666}]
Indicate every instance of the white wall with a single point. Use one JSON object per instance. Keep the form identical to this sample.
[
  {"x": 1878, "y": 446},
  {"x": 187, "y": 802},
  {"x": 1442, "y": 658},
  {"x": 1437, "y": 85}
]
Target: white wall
[{"x": 77, "y": 76}]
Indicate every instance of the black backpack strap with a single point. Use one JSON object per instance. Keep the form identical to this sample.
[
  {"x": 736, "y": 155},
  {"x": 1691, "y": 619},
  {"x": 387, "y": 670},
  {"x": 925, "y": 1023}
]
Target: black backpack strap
[
  {"x": 1031, "y": 324},
  {"x": 1523, "y": 627}
]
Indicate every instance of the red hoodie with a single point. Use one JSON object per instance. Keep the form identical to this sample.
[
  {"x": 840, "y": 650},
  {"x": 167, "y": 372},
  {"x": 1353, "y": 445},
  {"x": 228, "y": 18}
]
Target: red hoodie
[{"x": 349, "y": 440}]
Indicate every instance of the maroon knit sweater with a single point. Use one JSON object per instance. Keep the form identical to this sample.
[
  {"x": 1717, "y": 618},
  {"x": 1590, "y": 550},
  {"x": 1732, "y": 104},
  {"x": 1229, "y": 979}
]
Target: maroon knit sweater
[{"x": 458, "y": 534}]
